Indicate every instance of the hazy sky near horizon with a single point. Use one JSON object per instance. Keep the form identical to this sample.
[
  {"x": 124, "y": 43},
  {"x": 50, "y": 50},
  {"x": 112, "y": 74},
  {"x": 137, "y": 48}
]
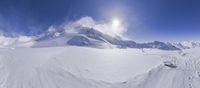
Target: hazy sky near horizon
[{"x": 145, "y": 19}]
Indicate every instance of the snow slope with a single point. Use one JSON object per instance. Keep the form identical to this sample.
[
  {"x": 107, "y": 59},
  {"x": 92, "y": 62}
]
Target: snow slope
[
  {"x": 79, "y": 67},
  {"x": 72, "y": 67}
]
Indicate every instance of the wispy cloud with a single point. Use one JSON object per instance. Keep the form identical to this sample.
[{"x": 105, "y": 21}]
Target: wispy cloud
[{"x": 103, "y": 26}]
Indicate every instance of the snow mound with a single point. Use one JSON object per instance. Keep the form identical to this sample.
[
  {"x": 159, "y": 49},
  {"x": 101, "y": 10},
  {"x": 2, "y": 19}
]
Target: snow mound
[{"x": 185, "y": 75}]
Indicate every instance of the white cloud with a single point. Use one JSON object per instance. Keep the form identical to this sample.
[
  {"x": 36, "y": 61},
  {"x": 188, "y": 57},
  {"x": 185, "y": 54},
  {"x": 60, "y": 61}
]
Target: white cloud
[
  {"x": 12, "y": 41},
  {"x": 51, "y": 29},
  {"x": 86, "y": 22}
]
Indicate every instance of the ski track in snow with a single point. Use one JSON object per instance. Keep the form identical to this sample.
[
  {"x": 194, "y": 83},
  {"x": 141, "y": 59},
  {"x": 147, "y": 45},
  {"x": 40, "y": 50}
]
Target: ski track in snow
[{"x": 75, "y": 67}]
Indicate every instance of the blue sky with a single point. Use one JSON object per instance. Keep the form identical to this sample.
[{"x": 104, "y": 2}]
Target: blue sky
[{"x": 146, "y": 19}]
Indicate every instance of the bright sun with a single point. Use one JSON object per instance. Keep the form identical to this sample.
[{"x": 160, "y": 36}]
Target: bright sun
[
  {"x": 116, "y": 23},
  {"x": 117, "y": 28}
]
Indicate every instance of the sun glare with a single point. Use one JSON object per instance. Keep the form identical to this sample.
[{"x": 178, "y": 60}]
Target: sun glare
[
  {"x": 117, "y": 28},
  {"x": 115, "y": 23}
]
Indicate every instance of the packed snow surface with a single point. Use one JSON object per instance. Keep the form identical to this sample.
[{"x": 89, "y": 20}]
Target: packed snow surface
[{"x": 79, "y": 67}]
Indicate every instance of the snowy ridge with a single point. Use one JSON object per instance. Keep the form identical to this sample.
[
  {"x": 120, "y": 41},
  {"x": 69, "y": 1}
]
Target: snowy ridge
[
  {"x": 187, "y": 44},
  {"x": 187, "y": 75}
]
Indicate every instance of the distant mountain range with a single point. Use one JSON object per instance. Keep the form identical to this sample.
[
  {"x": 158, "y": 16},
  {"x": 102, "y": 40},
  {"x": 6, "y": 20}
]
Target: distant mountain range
[
  {"x": 187, "y": 44},
  {"x": 89, "y": 37}
]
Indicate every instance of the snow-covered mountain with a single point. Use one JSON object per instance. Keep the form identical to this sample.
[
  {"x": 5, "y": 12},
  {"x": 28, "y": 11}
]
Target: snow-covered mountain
[
  {"x": 90, "y": 37},
  {"x": 187, "y": 44}
]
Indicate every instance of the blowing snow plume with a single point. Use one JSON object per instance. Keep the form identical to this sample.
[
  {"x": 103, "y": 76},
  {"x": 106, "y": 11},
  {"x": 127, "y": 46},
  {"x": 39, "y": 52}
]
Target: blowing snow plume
[{"x": 114, "y": 28}]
